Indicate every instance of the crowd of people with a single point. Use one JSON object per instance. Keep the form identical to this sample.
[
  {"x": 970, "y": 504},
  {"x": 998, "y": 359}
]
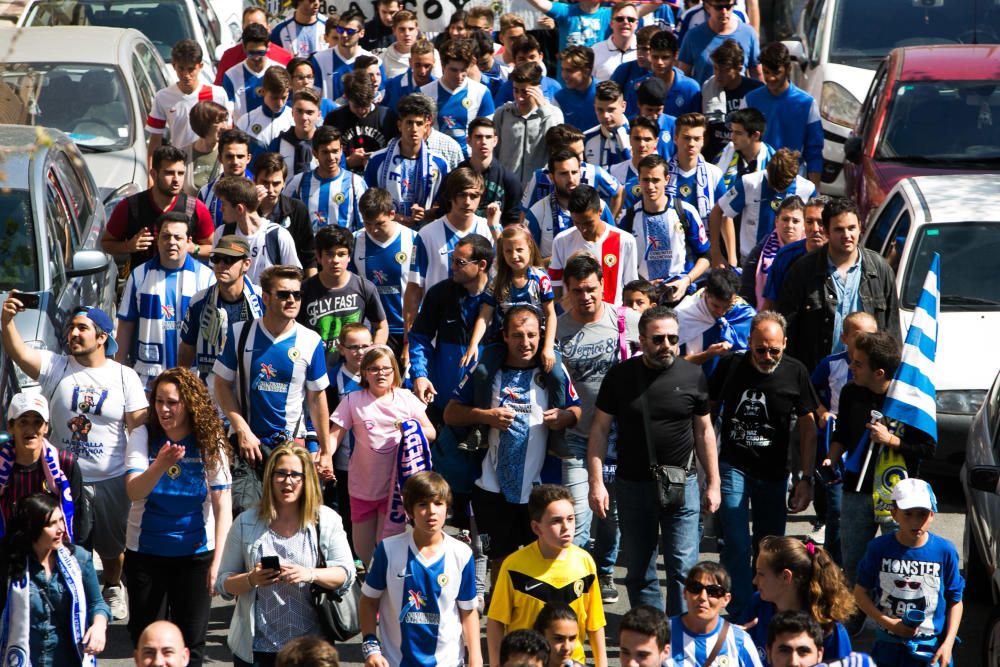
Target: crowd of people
[{"x": 380, "y": 285}]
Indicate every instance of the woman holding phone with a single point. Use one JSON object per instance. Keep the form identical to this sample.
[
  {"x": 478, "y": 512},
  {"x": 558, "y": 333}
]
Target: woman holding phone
[{"x": 270, "y": 560}]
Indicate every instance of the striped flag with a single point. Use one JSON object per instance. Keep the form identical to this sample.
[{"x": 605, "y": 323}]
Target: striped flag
[{"x": 911, "y": 398}]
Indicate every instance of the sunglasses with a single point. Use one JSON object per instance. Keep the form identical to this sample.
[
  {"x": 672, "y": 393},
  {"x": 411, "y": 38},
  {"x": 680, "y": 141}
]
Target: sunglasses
[
  {"x": 724, "y": 6},
  {"x": 457, "y": 261},
  {"x": 350, "y": 32},
  {"x": 258, "y": 53},
  {"x": 225, "y": 259},
  {"x": 713, "y": 590},
  {"x": 772, "y": 351},
  {"x": 659, "y": 339},
  {"x": 625, "y": 19},
  {"x": 286, "y": 294}
]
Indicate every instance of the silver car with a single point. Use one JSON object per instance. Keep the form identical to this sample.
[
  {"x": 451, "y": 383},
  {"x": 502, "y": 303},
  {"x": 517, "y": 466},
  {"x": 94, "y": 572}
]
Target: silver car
[{"x": 50, "y": 224}]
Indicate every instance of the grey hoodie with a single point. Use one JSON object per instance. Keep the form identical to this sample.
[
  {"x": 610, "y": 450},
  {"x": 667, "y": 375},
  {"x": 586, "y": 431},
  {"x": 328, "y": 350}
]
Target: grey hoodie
[{"x": 522, "y": 138}]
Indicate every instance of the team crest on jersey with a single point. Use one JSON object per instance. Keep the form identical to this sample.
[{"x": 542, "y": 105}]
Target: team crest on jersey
[
  {"x": 775, "y": 203},
  {"x": 256, "y": 128},
  {"x": 578, "y": 587},
  {"x": 467, "y": 103},
  {"x": 442, "y": 580},
  {"x": 174, "y": 471},
  {"x": 401, "y": 257},
  {"x": 339, "y": 198},
  {"x": 610, "y": 260},
  {"x": 685, "y": 190},
  {"x": 722, "y": 661},
  {"x": 636, "y": 190},
  {"x": 294, "y": 354},
  {"x": 540, "y": 380}
]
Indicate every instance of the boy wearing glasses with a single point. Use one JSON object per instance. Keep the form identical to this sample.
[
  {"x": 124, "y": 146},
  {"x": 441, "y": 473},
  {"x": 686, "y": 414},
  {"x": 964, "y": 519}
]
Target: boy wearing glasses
[
  {"x": 761, "y": 393},
  {"x": 350, "y": 30},
  {"x": 701, "y": 636},
  {"x": 242, "y": 82}
]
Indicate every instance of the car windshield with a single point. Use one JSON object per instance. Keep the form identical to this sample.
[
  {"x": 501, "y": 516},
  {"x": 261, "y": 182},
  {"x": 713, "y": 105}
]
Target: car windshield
[
  {"x": 88, "y": 102},
  {"x": 860, "y": 41},
  {"x": 969, "y": 251},
  {"x": 913, "y": 125},
  {"x": 18, "y": 261},
  {"x": 164, "y": 22}
]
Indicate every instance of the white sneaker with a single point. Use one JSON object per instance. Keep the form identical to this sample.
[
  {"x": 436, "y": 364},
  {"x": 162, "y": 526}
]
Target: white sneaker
[{"x": 115, "y": 597}]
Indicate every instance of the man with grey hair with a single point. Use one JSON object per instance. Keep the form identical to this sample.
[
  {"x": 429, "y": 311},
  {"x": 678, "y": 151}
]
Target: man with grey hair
[
  {"x": 661, "y": 405},
  {"x": 761, "y": 392}
]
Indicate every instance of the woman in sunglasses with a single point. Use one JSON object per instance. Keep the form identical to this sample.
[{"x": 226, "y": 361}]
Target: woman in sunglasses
[
  {"x": 700, "y": 635},
  {"x": 177, "y": 476},
  {"x": 794, "y": 576},
  {"x": 271, "y": 559},
  {"x": 375, "y": 415}
]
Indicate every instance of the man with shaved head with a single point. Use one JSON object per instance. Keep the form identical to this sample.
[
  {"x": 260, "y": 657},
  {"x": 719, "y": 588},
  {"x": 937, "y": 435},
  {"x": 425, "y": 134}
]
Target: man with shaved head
[{"x": 161, "y": 645}]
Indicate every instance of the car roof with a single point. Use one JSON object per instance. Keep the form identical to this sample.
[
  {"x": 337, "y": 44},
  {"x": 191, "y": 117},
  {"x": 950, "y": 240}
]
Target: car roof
[
  {"x": 958, "y": 198},
  {"x": 17, "y": 142},
  {"x": 81, "y": 44},
  {"x": 960, "y": 62}
]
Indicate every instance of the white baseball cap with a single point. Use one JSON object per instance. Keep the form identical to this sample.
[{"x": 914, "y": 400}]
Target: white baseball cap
[
  {"x": 913, "y": 493},
  {"x": 23, "y": 403}
]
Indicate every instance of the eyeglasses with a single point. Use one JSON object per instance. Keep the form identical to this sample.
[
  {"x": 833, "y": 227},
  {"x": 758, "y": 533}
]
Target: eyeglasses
[
  {"x": 659, "y": 339},
  {"x": 225, "y": 259},
  {"x": 625, "y": 19},
  {"x": 286, "y": 294},
  {"x": 713, "y": 590},
  {"x": 303, "y": 77},
  {"x": 383, "y": 370},
  {"x": 458, "y": 261},
  {"x": 350, "y": 32},
  {"x": 724, "y": 6},
  {"x": 772, "y": 351},
  {"x": 356, "y": 348},
  {"x": 281, "y": 475},
  {"x": 256, "y": 53}
]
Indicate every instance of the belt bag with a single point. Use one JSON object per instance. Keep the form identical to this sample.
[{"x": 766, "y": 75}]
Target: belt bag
[{"x": 670, "y": 480}]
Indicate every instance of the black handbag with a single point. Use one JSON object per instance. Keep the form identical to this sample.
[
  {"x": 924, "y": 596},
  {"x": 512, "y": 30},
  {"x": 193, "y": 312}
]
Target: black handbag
[
  {"x": 670, "y": 480},
  {"x": 338, "y": 614}
]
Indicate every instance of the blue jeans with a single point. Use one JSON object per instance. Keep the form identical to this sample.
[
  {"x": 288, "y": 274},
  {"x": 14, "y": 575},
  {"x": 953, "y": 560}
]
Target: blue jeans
[
  {"x": 740, "y": 492},
  {"x": 606, "y": 534},
  {"x": 858, "y": 520},
  {"x": 574, "y": 478},
  {"x": 643, "y": 524},
  {"x": 834, "y": 503}
]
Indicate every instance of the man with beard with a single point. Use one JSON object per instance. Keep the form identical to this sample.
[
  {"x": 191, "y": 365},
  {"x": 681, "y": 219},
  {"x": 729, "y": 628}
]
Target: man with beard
[
  {"x": 661, "y": 406},
  {"x": 88, "y": 385},
  {"x": 761, "y": 392}
]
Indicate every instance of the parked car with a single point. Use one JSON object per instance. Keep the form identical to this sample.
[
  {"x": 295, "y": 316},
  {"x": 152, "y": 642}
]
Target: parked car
[
  {"x": 51, "y": 220},
  {"x": 94, "y": 84},
  {"x": 164, "y": 22},
  {"x": 842, "y": 42},
  {"x": 900, "y": 132},
  {"x": 957, "y": 217},
  {"x": 980, "y": 477}
]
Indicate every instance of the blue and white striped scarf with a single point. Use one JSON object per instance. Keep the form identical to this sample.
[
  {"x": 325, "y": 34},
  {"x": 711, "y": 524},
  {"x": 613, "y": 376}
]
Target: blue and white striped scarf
[{"x": 423, "y": 188}]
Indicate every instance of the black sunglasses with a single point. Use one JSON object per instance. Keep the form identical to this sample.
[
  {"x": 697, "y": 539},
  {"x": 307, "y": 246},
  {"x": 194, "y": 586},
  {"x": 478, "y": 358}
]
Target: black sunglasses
[
  {"x": 225, "y": 259},
  {"x": 713, "y": 590},
  {"x": 625, "y": 19},
  {"x": 773, "y": 351},
  {"x": 286, "y": 294},
  {"x": 659, "y": 339},
  {"x": 724, "y": 5}
]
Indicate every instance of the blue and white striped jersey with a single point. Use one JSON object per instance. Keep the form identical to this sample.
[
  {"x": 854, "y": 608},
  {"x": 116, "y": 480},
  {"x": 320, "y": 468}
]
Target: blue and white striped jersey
[
  {"x": 300, "y": 39},
  {"x": 331, "y": 201},
  {"x": 688, "y": 649},
  {"x": 242, "y": 87},
  {"x": 388, "y": 268},
  {"x": 758, "y": 202},
  {"x": 431, "y": 261},
  {"x": 457, "y": 108}
]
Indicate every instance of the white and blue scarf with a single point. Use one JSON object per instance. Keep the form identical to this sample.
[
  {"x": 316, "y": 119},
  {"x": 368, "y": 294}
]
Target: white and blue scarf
[
  {"x": 413, "y": 456},
  {"x": 423, "y": 188},
  {"x": 768, "y": 251},
  {"x": 55, "y": 479},
  {"x": 214, "y": 325},
  {"x": 701, "y": 179},
  {"x": 15, "y": 628}
]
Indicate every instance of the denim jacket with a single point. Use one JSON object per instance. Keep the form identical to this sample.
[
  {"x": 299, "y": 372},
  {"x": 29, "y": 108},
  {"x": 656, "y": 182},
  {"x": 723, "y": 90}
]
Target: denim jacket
[{"x": 240, "y": 556}]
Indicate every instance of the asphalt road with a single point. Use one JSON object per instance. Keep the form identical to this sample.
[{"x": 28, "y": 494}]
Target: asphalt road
[{"x": 949, "y": 523}]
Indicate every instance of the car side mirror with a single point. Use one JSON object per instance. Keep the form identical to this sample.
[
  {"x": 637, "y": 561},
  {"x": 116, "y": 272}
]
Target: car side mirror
[
  {"x": 852, "y": 149},
  {"x": 985, "y": 478},
  {"x": 796, "y": 51},
  {"x": 88, "y": 263}
]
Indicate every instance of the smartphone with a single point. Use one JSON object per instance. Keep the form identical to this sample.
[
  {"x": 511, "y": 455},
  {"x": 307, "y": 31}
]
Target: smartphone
[
  {"x": 828, "y": 475},
  {"x": 270, "y": 563},
  {"x": 30, "y": 300}
]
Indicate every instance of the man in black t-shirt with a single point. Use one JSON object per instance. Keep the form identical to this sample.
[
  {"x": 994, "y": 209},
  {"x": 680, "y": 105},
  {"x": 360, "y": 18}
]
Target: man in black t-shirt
[
  {"x": 674, "y": 394},
  {"x": 761, "y": 392}
]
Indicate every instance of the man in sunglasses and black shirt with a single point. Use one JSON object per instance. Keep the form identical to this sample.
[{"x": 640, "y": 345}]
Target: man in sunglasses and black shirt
[
  {"x": 760, "y": 392},
  {"x": 671, "y": 395}
]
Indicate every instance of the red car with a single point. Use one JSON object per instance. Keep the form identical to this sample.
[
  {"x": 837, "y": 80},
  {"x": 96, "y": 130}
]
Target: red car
[{"x": 930, "y": 110}]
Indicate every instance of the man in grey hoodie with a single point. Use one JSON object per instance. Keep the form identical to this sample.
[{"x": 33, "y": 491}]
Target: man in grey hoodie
[{"x": 522, "y": 123}]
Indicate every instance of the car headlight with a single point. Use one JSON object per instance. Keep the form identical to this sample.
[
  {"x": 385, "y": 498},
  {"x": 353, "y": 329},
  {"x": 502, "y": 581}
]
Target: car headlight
[
  {"x": 122, "y": 192},
  {"x": 23, "y": 381},
  {"x": 837, "y": 105},
  {"x": 960, "y": 402}
]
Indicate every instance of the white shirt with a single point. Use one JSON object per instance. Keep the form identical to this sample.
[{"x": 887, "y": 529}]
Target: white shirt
[
  {"x": 607, "y": 57},
  {"x": 615, "y": 250},
  {"x": 171, "y": 108}
]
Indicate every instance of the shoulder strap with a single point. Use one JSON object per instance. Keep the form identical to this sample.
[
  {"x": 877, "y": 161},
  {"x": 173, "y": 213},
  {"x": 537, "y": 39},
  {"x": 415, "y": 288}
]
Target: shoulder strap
[
  {"x": 132, "y": 224},
  {"x": 272, "y": 246},
  {"x": 681, "y": 218},
  {"x": 228, "y": 228},
  {"x": 240, "y": 372},
  {"x": 723, "y": 633}
]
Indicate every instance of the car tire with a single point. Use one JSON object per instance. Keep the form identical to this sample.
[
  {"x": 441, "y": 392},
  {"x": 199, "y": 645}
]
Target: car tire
[
  {"x": 991, "y": 639},
  {"x": 978, "y": 585}
]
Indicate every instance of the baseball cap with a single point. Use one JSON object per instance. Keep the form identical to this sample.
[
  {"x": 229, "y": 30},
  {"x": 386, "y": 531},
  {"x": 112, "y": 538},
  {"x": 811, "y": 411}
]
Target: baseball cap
[
  {"x": 652, "y": 91},
  {"x": 913, "y": 493},
  {"x": 232, "y": 246},
  {"x": 23, "y": 403},
  {"x": 103, "y": 324}
]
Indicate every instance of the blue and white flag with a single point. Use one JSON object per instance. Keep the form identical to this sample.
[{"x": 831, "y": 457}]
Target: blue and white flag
[{"x": 911, "y": 398}]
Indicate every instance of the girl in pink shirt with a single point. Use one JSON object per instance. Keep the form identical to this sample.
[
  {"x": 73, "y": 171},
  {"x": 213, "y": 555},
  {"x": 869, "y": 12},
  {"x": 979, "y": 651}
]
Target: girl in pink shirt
[{"x": 373, "y": 415}]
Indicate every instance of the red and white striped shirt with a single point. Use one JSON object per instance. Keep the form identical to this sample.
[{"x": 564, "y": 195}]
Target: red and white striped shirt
[
  {"x": 171, "y": 108},
  {"x": 614, "y": 249}
]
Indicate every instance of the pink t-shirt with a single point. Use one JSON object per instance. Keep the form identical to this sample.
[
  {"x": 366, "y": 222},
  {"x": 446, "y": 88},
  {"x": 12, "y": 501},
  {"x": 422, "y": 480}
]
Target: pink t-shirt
[{"x": 375, "y": 424}]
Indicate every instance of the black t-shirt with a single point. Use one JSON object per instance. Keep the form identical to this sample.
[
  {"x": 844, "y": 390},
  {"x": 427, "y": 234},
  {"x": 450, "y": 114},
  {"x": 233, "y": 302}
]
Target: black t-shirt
[
  {"x": 718, "y": 134},
  {"x": 675, "y": 395},
  {"x": 854, "y": 412},
  {"x": 757, "y": 412},
  {"x": 501, "y": 185},
  {"x": 326, "y": 310},
  {"x": 372, "y": 133}
]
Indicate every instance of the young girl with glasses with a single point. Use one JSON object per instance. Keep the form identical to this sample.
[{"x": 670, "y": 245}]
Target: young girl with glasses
[{"x": 375, "y": 415}]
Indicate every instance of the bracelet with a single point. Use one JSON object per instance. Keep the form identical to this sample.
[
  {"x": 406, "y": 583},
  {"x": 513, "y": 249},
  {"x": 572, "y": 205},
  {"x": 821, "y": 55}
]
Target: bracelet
[{"x": 370, "y": 646}]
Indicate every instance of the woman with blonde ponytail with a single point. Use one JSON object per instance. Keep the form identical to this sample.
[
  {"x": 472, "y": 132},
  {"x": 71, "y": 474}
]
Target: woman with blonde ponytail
[{"x": 794, "y": 576}]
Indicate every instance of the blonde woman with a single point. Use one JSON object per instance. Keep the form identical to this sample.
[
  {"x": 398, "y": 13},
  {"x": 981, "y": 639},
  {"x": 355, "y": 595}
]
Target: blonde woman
[{"x": 273, "y": 605}]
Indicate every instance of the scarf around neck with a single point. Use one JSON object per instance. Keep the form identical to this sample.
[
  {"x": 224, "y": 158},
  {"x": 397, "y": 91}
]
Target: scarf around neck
[{"x": 55, "y": 481}]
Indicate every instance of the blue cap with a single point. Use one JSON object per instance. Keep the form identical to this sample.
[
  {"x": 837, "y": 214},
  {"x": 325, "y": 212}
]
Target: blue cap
[{"x": 103, "y": 324}]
